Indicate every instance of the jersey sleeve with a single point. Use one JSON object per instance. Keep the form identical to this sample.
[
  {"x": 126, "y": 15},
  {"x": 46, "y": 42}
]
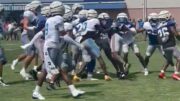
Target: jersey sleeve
[
  {"x": 147, "y": 26},
  {"x": 60, "y": 24}
]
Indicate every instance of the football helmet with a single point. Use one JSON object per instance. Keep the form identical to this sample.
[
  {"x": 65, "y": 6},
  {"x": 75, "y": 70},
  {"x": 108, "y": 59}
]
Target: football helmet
[
  {"x": 57, "y": 8},
  {"x": 92, "y": 14},
  {"x": 104, "y": 16},
  {"x": 76, "y": 8},
  {"x": 68, "y": 12},
  {"x": 83, "y": 13},
  {"x": 164, "y": 15},
  {"x": 34, "y": 5},
  {"x": 46, "y": 11},
  {"x": 122, "y": 18}
]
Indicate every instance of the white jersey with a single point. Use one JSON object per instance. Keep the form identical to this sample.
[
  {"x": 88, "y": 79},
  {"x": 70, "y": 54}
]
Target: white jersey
[
  {"x": 147, "y": 26},
  {"x": 90, "y": 24},
  {"x": 53, "y": 26},
  {"x": 82, "y": 28}
]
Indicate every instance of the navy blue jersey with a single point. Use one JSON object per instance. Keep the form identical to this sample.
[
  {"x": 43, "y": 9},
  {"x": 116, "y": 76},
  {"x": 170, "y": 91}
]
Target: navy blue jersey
[
  {"x": 152, "y": 34},
  {"x": 41, "y": 20},
  {"x": 166, "y": 36},
  {"x": 120, "y": 28}
]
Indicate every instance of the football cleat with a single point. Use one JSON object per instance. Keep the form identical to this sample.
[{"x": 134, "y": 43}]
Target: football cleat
[
  {"x": 122, "y": 75},
  {"x": 146, "y": 72},
  {"x": 162, "y": 75},
  {"x": 76, "y": 93},
  {"x": 107, "y": 78},
  {"x": 176, "y": 76},
  {"x": 76, "y": 78},
  {"x": 3, "y": 84},
  {"x": 26, "y": 76},
  {"x": 37, "y": 95}
]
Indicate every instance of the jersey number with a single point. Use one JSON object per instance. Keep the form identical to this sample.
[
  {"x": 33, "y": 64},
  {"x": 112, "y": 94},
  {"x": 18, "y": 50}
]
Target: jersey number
[
  {"x": 81, "y": 28},
  {"x": 163, "y": 32}
]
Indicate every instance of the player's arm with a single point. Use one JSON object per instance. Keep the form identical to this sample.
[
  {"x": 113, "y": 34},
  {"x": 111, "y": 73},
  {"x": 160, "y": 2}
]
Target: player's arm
[
  {"x": 174, "y": 30},
  {"x": 26, "y": 23},
  {"x": 38, "y": 35},
  {"x": 68, "y": 39}
]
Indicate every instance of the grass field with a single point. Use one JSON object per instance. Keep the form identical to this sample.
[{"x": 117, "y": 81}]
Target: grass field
[{"x": 136, "y": 88}]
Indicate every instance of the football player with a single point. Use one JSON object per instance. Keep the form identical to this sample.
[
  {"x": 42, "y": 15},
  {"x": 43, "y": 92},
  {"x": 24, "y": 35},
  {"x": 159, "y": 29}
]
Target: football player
[
  {"x": 103, "y": 40},
  {"x": 150, "y": 27},
  {"x": 29, "y": 23},
  {"x": 127, "y": 32},
  {"x": 90, "y": 29},
  {"x": 2, "y": 55},
  {"x": 167, "y": 32},
  {"x": 54, "y": 28}
]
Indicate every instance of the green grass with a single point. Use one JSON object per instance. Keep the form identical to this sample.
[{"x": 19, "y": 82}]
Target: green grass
[{"x": 136, "y": 88}]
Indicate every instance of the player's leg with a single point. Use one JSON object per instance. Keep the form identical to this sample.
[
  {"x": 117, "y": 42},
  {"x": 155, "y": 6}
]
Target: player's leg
[
  {"x": 94, "y": 51},
  {"x": 27, "y": 61},
  {"x": 18, "y": 59},
  {"x": 149, "y": 51},
  {"x": 64, "y": 71},
  {"x": 90, "y": 69},
  {"x": 166, "y": 64},
  {"x": 107, "y": 51},
  {"x": 41, "y": 77},
  {"x": 140, "y": 57},
  {"x": 115, "y": 48},
  {"x": 176, "y": 54},
  {"x": 125, "y": 49},
  {"x": 2, "y": 62}
]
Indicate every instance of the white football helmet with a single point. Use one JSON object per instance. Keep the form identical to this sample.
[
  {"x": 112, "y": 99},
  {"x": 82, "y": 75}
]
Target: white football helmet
[
  {"x": 104, "y": 16},
  {"x": 27, "y": 7},
  {"x": 68, "y": 26},
  {"x": 152, "y": 16},
  {"x": 83, "y": 13},
  {"x": 57, "y": 8},
  {"x": 34, "y": 5},
  {"x": 68, "y": 12},
  {"x": 122, "y": 15},
  {"x": 1, "y": 8},
  {"x": 77, "y": 6},
  {"x": 165, "y": 15},
  {"x": 92, "y": 14},
  {"x": 46, "y": 11}
]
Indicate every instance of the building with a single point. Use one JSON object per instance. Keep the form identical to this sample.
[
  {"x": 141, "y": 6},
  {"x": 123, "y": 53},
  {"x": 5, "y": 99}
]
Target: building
[{"x": 136, "y": 9}]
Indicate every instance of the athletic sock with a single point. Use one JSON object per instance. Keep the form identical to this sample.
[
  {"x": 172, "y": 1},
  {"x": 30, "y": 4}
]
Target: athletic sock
[
  {"x": 37, "y": 88},
  {"x": 162, "y": 71},
  {"x": 71, "y": 88},
  {"x": 35, "y": 68},
  {"x": 15, "y": 61},
  {"x": 23, "y": 70}
]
